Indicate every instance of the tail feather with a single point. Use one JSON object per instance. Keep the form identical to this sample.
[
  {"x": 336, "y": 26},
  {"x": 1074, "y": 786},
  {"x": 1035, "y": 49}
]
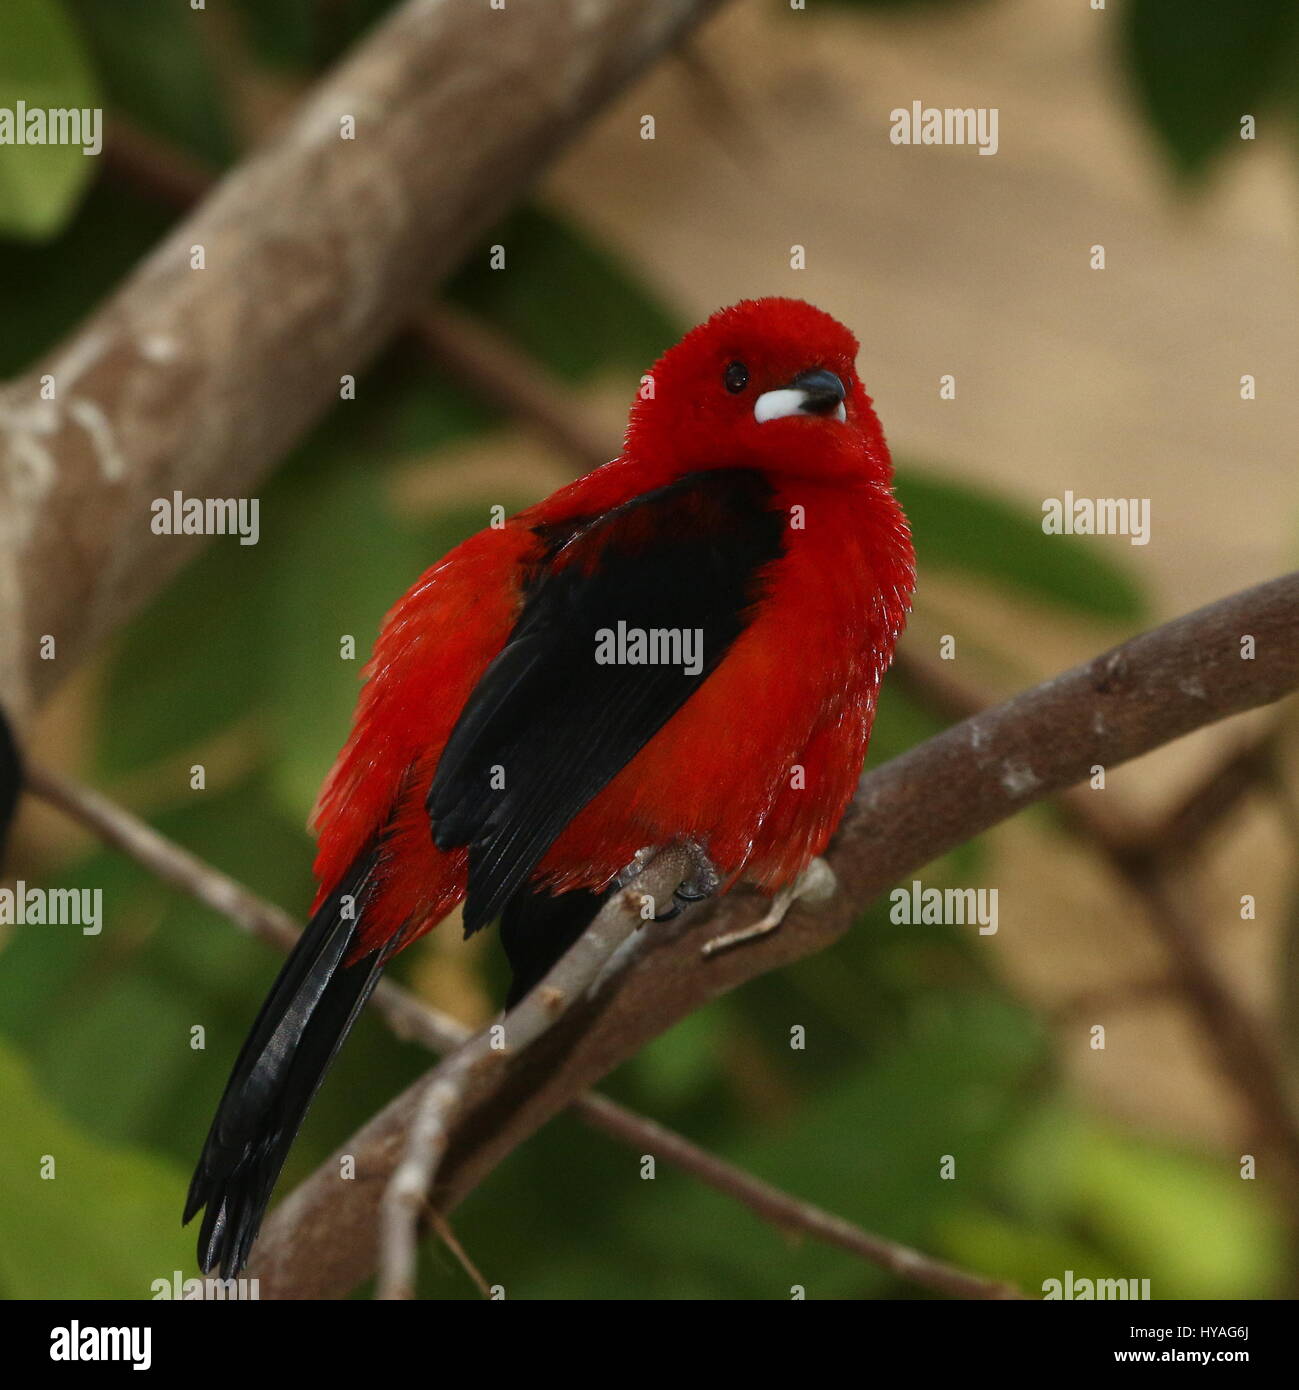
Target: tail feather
[{"x": 309, "y": 1011}]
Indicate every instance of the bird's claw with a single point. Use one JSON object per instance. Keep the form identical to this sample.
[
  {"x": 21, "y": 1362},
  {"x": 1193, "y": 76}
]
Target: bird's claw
[
  {"x": 700, "y": 883},
  {"x": 814, "y": 885}
]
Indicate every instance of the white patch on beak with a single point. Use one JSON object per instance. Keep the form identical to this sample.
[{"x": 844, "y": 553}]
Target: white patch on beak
[{"x": 773, "y": 405}]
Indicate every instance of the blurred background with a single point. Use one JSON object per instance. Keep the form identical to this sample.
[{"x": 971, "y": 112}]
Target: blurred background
[{"x": 1120, "y": 127}]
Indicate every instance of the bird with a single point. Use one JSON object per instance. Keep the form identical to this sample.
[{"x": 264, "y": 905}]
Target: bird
[{"x": 684, "y": 647}]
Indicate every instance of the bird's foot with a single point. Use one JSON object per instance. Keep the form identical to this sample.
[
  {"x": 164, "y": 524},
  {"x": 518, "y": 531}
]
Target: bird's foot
[
  {"x": 702, "y": 882},
  {"x": 814, "y": 885}
]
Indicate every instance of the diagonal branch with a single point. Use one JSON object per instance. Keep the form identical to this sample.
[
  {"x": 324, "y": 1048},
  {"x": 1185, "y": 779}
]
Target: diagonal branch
[
  {"x": 230, "y": 340},
  {"x": 321, "y": 1240}
]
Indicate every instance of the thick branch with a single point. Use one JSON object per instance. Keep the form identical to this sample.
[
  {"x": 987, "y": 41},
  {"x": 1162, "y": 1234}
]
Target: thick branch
[
  {"x": 313, "y": 252},
  {"x": 320, "y": 1242}
]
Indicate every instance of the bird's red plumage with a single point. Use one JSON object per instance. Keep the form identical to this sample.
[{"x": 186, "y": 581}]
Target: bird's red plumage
[{"x": 759, "y": 764}]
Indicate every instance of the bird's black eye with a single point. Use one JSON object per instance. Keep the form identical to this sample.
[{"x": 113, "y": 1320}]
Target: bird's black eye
[{"x": 736, "y": 377}]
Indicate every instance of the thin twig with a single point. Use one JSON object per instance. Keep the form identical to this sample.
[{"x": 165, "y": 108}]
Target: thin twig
[
  {"x": 448, "y": 1238},
  {"x": 408, "y": 1017},
  {"x": 162, "y": 171},
  {"x": 509, "y": 380},
  {"x": 794, "y": 1216}
]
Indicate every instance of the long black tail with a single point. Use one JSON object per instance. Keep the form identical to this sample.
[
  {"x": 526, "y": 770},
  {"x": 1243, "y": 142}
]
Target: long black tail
[{"x": 306, "y": 1016}]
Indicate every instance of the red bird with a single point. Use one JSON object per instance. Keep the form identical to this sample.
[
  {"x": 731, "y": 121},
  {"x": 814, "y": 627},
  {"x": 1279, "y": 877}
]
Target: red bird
[{"x": 683, "y": 646}]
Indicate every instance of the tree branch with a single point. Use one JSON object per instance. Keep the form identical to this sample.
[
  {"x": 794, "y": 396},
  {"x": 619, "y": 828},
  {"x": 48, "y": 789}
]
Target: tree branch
[
  {"x": 509, "y": 381},
  {"x": 1142, "y": 858},
  {"x": 518, "y": 403},
  {"x": 410, "y": 1018},
  {"x": 313, "y": 250},
  {"x": 320, "y": 1241}
]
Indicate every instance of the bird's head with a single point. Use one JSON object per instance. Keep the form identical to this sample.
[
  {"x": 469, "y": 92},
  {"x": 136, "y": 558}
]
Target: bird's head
[{"x": 765, "y": 383}]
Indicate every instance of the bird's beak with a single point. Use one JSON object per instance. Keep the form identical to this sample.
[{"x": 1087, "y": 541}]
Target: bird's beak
[{"x": 810, "y": 393}]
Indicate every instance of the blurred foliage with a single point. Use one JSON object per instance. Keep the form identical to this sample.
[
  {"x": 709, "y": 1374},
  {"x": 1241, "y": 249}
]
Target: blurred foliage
[
  {"x": 959, "y": 527},
  {"x": 100, "y": 1224},
  {"x": 43, "y": 65},
  {"x": 1195, "y": 67},
  {"x": 156, "y": 69},
  {"x": 915, "y": 1046},
  {"x": 1199, "y": 66},
  {"x": 1084, "y": 1197},
  {"x": 303, "y": 36}
]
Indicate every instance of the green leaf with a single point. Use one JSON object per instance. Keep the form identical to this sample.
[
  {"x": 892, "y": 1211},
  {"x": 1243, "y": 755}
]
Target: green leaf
[
  {"x": 104, "y": 1226},
  {"x": 192, "y": 663},
  {"x": 564, "y": 299},
  {"x": 157, "y": 72},
  {"x": 1200, "y": 65},
  {"x": 1017, "y": 1251},
  {"x": 959, "y": 527},
  {"x": 1079, "y": 1195},
  {"x": 1190, "y": 1223},
  {"x": 43, "y": 65}
]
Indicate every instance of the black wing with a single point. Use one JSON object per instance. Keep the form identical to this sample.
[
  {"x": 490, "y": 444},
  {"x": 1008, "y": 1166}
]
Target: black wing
[{"x": 547, "y": 726}]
